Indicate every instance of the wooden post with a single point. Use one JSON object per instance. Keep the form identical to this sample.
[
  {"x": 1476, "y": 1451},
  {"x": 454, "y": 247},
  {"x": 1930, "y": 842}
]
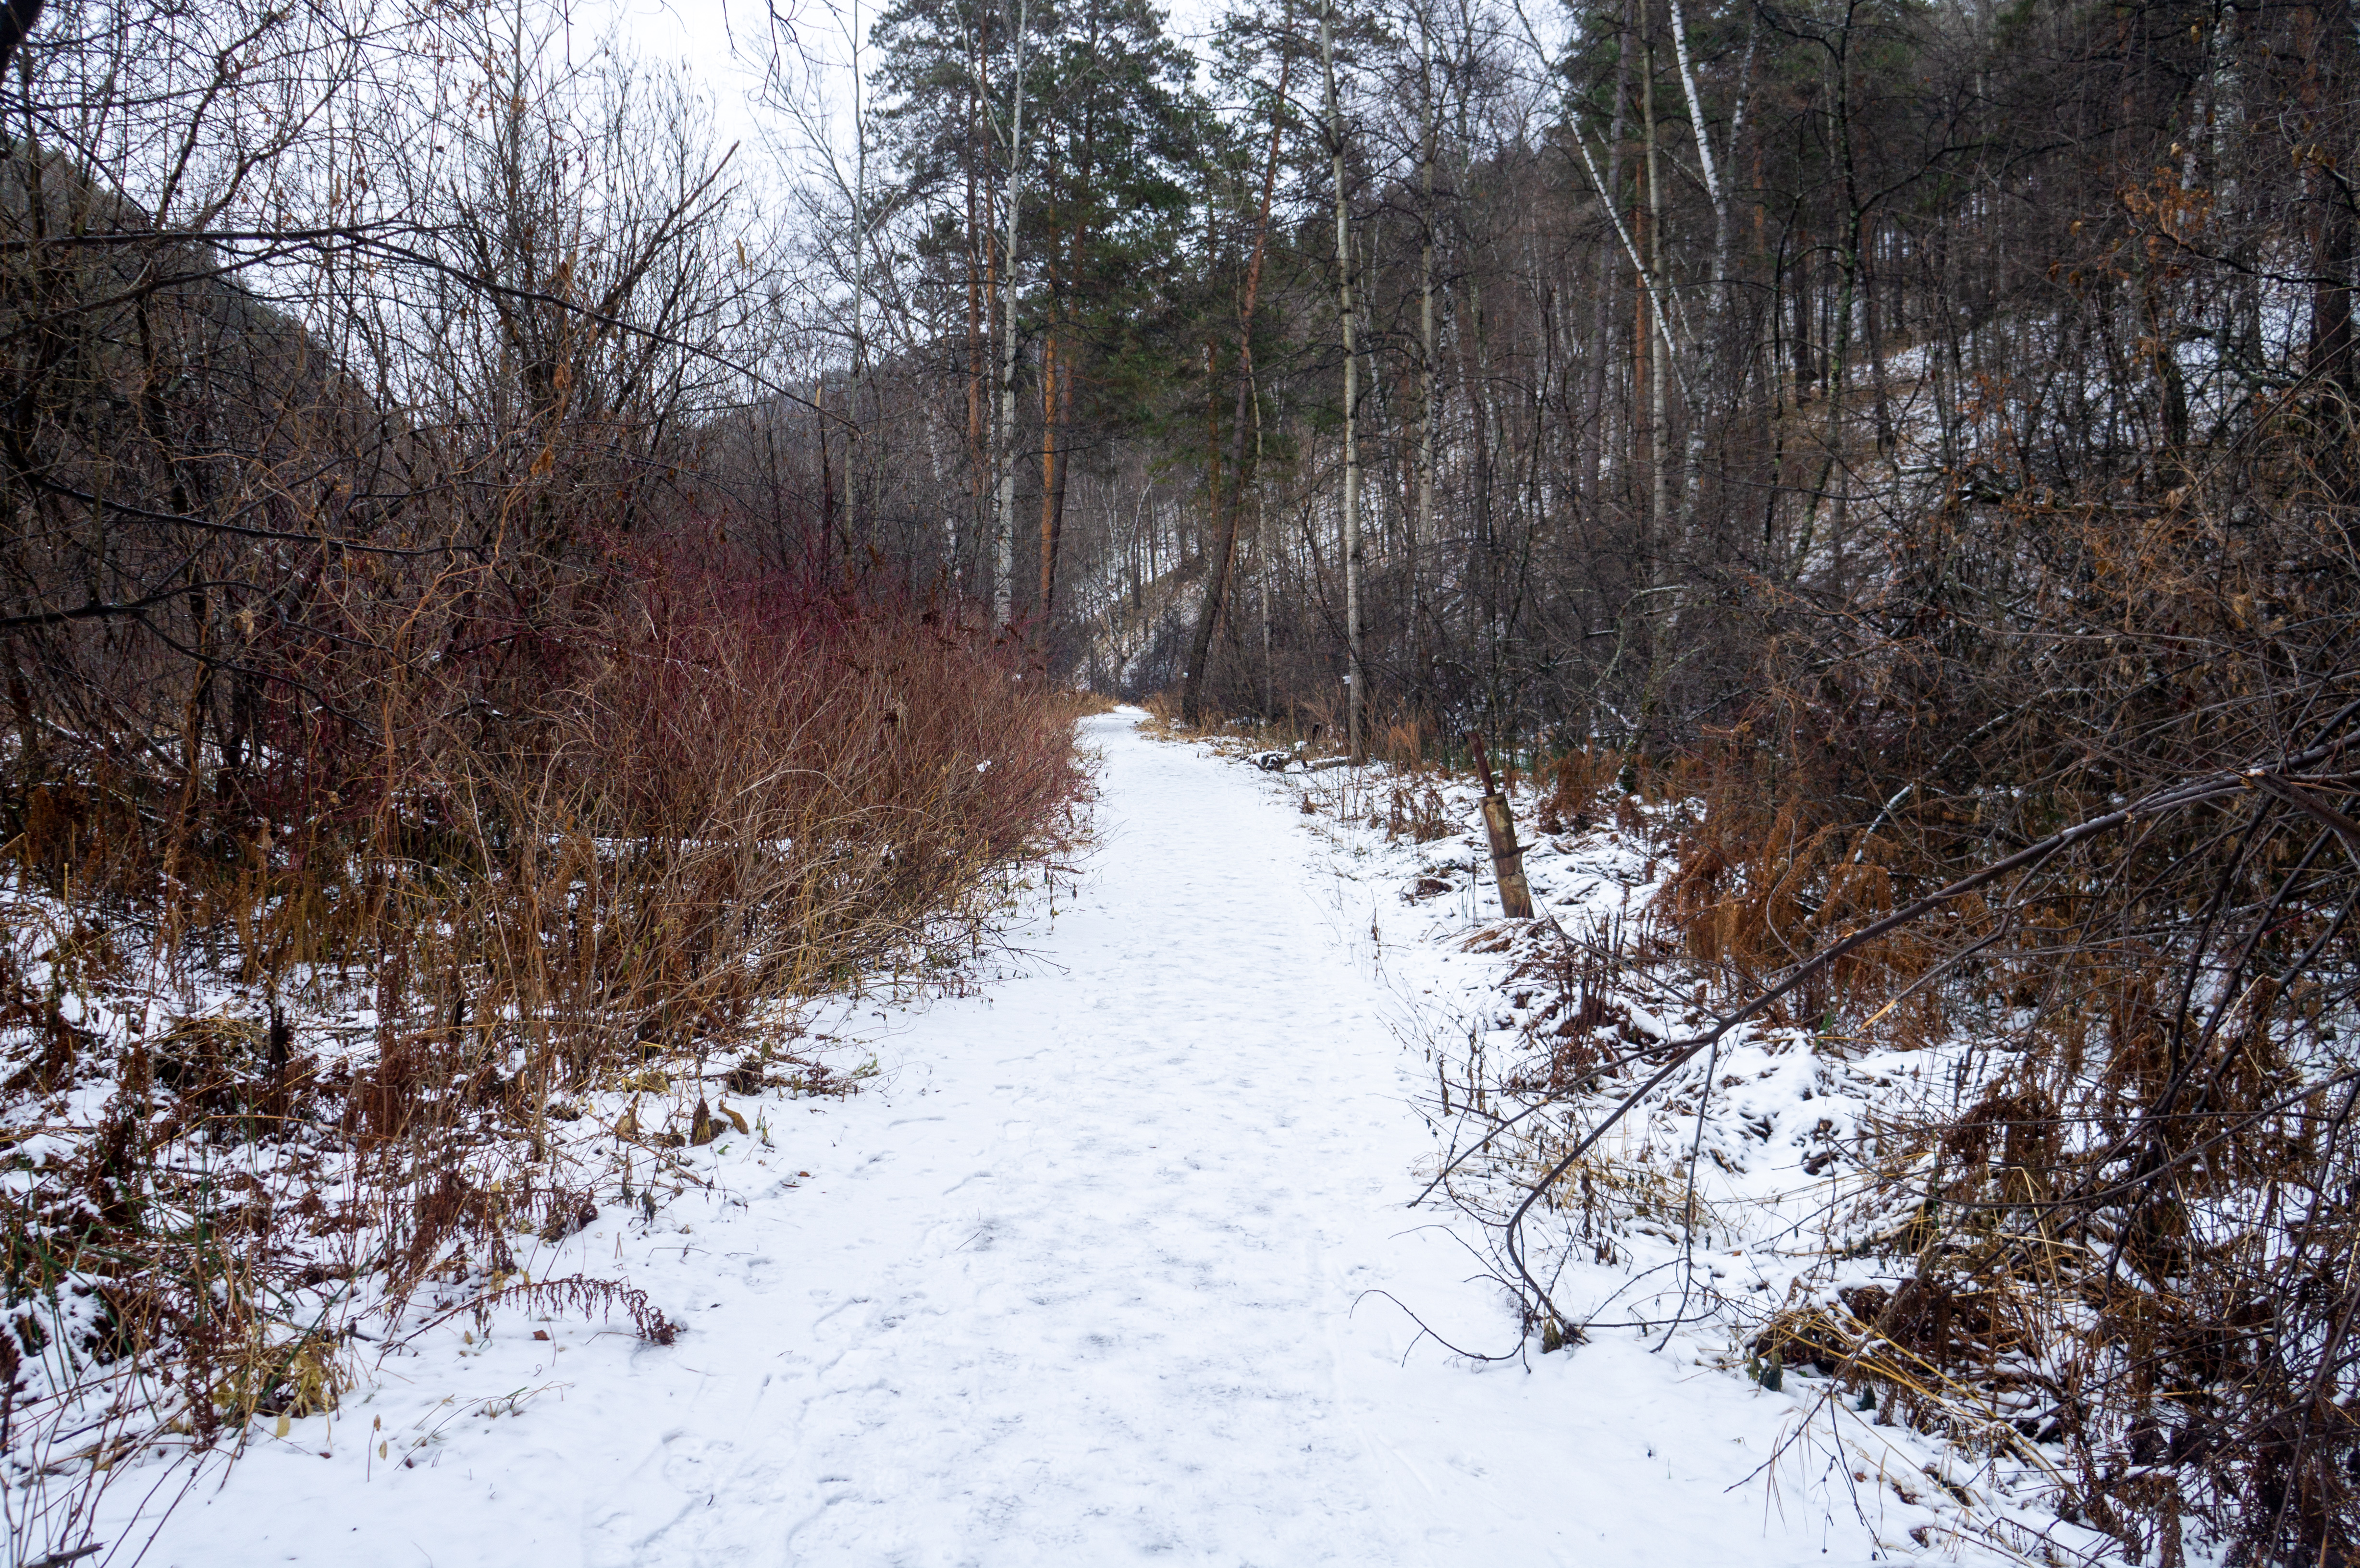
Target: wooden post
[{"x": 1507, "y": 859}]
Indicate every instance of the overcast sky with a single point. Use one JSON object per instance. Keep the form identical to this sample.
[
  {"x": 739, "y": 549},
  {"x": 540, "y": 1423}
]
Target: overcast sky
[{"x": 722, "y": 41}]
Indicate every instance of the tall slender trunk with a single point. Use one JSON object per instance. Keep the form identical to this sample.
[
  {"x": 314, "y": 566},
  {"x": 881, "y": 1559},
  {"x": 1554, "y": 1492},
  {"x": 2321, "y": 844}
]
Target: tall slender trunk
[
  {"x": 1049, "y": 460},
  {"x": 1660, "y": 511},
  {"x": 2323, "y": 36},
  {"x": 1244, "y": 472},
  {"x": 1836, "y": 338},
  {"x": 1422, "y": 527},
  {"x": 1208, "y": 609},
  {"x": 1354, "y": 676},
  {"x": 1720, "y": 307},
  {"x": 1003, "y": 528},
  {"x": 1262, "y": 557},
  {"x": 830, "y": 527},
  {"x": 1064, "y": 471},
  {"x": 978, "y": 354},
  {"x": 1651, "y": 306},
  {"x": 852, "y": 426},
  {"x": 1663, "y": 544},
  {"x": 1593, "y": 436}
]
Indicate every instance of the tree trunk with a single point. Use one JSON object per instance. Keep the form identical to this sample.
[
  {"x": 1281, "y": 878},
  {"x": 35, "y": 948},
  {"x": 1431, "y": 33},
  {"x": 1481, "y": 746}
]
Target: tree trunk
[
  {"x": 1593, "y": 438},
  {"x": 1054, "y": 523},
  {"x": 1003, "y": 528},
  {"x": 978, "y": 348},
  {"x": 1422, "y": 526},
  {"x": 1354, "y": 676},
  {"x": 1659, "y": 495},
  {"x": 1216, "y": 580},
  {"x": 1049, "y": 456},
  {"x": 2324, "y": 37}
]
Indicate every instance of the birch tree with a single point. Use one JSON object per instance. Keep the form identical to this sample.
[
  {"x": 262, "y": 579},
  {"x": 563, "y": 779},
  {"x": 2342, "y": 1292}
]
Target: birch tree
[{"x": 1355, "y": 672}]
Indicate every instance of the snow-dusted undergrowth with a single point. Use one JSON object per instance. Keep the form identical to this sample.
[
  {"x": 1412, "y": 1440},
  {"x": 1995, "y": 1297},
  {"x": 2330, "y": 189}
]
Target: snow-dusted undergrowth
[
  {"x": 1118, "y": 1255},
  {"x": 287, "y": 1264},
  {"x": 1716, "y": 1223}
]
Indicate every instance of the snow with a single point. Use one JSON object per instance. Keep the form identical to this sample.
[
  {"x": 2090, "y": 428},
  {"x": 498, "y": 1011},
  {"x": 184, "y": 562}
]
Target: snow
[
  {"x": 1110, "y": 1262},
  {"x": 1780, "y": 1134}
]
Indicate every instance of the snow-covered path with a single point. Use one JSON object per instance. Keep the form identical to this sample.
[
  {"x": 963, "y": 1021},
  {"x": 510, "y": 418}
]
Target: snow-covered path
[{"x": 1083, "y": 1281}]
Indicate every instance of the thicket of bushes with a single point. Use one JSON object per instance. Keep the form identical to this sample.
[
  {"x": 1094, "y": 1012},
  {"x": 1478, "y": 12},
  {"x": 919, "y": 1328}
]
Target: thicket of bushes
[
  {"x": 2128, "y": 1202},
  {"x": 2129, "y": 1194},
  {"x": 430, "y": 708},
  {"x": 284, "y": 1048}
]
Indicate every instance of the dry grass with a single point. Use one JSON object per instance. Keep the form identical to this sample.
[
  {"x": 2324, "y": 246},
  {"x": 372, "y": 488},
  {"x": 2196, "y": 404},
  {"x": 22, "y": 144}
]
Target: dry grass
[
  {"x": 341, "y": 1053},
  {"x": 1081, "y": 703},
  {"x": 2112, "y": 1237},
  {"x": 2132, "y": 1197}
]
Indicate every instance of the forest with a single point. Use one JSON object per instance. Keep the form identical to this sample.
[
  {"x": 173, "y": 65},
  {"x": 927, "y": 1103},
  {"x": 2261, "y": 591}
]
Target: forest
[{"x": 489, "y": 564}]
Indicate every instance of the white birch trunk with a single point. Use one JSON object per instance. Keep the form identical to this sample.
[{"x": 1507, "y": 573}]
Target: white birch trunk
[{"x": 1354, "y": 674}]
